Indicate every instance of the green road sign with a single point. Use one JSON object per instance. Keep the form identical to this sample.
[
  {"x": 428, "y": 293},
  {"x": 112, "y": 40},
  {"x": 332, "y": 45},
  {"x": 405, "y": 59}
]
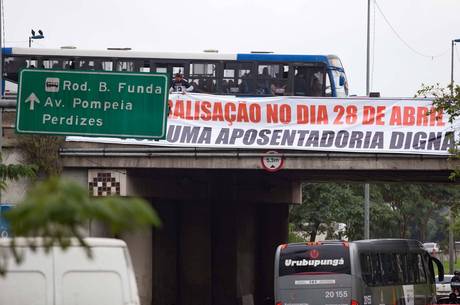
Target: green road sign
[{"x": 90, "y": 103}]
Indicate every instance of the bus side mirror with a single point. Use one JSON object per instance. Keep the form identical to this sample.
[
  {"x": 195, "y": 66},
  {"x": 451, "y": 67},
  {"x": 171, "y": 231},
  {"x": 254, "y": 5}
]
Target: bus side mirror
[
  {"x": 341, "y": 80},
  {"x": 440, "y": 267}
]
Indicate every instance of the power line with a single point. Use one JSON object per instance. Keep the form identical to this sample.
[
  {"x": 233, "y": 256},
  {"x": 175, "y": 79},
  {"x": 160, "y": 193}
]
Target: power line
[{"x": 404, "y": 42}]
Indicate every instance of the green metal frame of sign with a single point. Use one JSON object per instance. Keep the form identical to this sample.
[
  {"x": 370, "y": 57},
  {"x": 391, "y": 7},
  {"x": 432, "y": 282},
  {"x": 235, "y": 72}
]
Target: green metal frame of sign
[{"x": 93, "y": 103}]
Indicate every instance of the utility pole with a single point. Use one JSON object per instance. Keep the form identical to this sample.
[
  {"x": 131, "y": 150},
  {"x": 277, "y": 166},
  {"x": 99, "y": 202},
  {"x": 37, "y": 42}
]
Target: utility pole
[
  {"x": 1, "y": 84},
  {"x": 451, "y": 215},
  {"x": 366, "y": 211},
  {"x": 451, "y": 241},
  {"x": 366, "y": 186}
]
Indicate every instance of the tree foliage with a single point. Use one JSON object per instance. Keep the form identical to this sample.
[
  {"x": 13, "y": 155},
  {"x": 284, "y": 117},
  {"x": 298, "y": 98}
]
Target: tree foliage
[
  {"x": 59, "y": 209},
  {"x": 446, "y": 99},
  {"x": 15, "y": 172},
  {"x": 397, "y": 210},
  {"x": 320, "y": 207},
  {"x": 43, "y": 151}
]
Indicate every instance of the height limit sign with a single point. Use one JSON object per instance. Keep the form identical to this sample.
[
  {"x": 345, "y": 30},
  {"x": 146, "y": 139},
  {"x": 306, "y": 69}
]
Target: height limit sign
[{"x": 92, "y": 103}]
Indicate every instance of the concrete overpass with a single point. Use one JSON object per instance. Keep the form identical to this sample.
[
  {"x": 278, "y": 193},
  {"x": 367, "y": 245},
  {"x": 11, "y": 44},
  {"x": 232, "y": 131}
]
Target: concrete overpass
[{"x": 304, "y": 166}]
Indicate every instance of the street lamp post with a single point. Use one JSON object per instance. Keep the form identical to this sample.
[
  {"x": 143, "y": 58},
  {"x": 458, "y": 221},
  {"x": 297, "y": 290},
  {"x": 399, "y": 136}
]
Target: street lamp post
[
  {"x": 35, "y": 36},
  {"x": 368, "y": 56},
  {"x": 451, "y": 215},
  {"x": 452, "y": 67}
]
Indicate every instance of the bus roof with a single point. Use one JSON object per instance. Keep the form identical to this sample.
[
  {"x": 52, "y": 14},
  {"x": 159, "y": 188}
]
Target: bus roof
[
  {"x": 264, "y": 57},
  {"x": 387, "y": 243}
]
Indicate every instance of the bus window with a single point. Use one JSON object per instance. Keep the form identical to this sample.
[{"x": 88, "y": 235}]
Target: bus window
[
  {"x": 203, "y": 77},
  {"x": 145, "y": 67},
  {"x": 415, "y": 269},
  {"x": 32, "y": 63},
  {"x": 266, "y": 74},
  {"x": 107, "y": 65},
  {"x": 310, "y": 81},
  {"x": 230, "y": 85},
  {"x": 98, "y": 65},
  {"x": 300, "y": 81},
  {"x": 376, "y": 270},
  {"x": 389, "y": 269},
  {"x": 178, "y": 69},
  {"x": 162, "y": 70},
  {"x": 341, "y": 86},
  {"x": 421, "y": 270},
  {"x": 279, "y": 79},
  {"x": 246, "y": 78},
  {"x": 401, "y": 268},
  {"x": 86, "y": 64},
  {"x": 12, "y": 66},
  {"x": 50, "y": 64},
  {"x": 328, "y": 89},
  {"x": 366, "y": 268},
  {"x": 171, "y": 68},
  {"x": 69, "y": 64},
  {"x": 202, "y": 69},
  {"x": 125, "y": 66},
  {"x": 371, "y": 269},
  {"x": 203, "y": 85}
]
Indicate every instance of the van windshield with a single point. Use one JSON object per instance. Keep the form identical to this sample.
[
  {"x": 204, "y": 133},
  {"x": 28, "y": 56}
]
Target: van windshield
[{"x": 318, "y": 259}]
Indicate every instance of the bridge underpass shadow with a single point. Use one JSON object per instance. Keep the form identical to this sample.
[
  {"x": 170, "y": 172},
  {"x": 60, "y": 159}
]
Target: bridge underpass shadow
[{"x": 216, "y": 252}]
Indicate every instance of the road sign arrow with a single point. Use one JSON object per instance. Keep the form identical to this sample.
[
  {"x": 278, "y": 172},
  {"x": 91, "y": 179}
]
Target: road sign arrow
[{"x": 32, "y": 99}]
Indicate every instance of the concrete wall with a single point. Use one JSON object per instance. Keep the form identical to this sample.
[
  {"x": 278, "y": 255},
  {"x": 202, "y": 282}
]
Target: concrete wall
[
  {"x": 216, "y": 252},
  {"x": 247, "y": 251},
  {"x": 165, "y": 287}
]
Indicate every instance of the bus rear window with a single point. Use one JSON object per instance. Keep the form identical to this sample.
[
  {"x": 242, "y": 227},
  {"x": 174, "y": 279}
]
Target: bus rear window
[{"x": 313, "y": 260}]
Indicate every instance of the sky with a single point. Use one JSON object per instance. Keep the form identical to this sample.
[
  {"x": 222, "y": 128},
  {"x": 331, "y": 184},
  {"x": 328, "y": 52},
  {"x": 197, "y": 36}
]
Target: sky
[{"x": 410, "y": 39}]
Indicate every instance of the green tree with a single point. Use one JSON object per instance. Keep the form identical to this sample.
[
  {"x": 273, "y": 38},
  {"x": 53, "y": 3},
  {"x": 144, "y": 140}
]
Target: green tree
[
  {"x": 402, "y": 200},
  {"x": 15, "y": 172},
  {"x": 447, "y": 100},
  {"x": 397, "y": 210},
  {"x": 58, "y": 209},
  {"x": 323, "y": 205},
  {"x": 435, "y": 197}
]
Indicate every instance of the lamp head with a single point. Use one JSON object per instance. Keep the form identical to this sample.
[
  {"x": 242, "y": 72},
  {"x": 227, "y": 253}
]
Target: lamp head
[{"x": 456, "y": 40}]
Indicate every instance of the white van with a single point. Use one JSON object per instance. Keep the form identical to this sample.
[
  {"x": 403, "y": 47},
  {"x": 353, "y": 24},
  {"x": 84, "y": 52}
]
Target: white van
[{"x": 69, "y": 277}]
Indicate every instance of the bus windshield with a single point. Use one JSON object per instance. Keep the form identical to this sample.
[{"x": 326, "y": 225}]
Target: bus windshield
[{"x": 314, "y": 260}]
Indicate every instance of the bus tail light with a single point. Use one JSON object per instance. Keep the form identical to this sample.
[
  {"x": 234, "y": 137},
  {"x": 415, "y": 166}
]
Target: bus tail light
[
  {"x": 354, "y": 302},
  {"x": 279, "y": 303}
]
